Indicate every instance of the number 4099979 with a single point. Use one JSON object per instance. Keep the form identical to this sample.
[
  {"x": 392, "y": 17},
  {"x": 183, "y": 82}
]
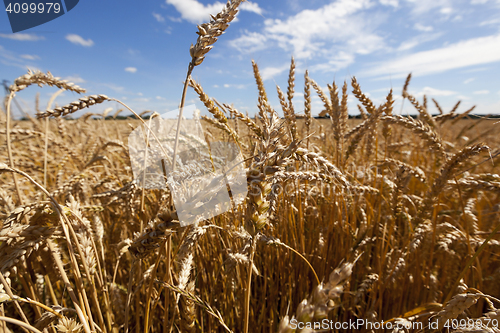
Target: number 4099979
[{"x": 25, "y": 7}]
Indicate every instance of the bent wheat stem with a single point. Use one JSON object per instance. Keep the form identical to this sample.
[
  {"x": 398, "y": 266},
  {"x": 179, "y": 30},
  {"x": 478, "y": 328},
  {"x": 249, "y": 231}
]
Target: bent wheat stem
[{"x": 19, "y": 323}]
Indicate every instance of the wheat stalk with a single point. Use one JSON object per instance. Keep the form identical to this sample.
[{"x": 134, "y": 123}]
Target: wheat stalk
[{"x": 81, "y": 104}]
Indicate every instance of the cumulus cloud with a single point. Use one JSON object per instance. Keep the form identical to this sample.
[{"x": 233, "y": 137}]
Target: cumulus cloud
[
  {"x": 76, "y": 39},
  {"x": 196, "y": 12},
  {"x": 250, "y": 42},
  {"x": 22, "y": 37},
  {"x": 251, "y": 7},
  {"x": 475, "y": 51},
  {"x": 131, "y": 69},
  {"x": 481, "y": 92},
  {"x": 393, "y": 3},
  {"x": 340, "y": 29},
  {"x": 446, "y": 11}
]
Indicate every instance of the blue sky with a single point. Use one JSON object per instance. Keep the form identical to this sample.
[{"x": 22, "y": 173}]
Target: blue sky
[{"x": 138, "y": 51}]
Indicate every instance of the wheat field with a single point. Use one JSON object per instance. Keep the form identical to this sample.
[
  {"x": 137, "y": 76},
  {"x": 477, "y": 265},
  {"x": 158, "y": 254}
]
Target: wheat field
[{"x": 380, "y": 224}]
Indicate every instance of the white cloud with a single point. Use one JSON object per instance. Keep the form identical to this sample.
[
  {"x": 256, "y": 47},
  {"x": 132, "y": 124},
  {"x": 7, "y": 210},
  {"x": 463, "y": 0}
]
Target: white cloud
[
  {"x": 417, "y": 40},
  {"x": 435, "y": 92},
  {"x": 475, "y": 51},
  {"x": 160, "y": 98},
  {"x": 446, "y": 10},
  {"x": 75, "y": 79},
  {"x": 251, "y": 7},
  {"x": 393, "y": 3},
  {"x": 490, "y": 22},
  {"x": 22, "y": 37},
  {"x": 250, "y": 42},
  {"x": 9, "y": 58},
  {"x": 114, "y": 87},
  {"x": 175, "y": 19},
  {"x": 424, "y": 6},
  {"x": 269, "y": 72},
  {"x": 475, "y": 70},
  {"x": 236, "y": 86},
  {"x": 195, "y": 12},
  {"x": 469, "y": 80},
  {"x": 481, "y": 92},
  {"x": 76, "y": 39},
  {"x": 421, "y": 27},
  {"x": 131, "y": 69},
  {"x": 29, "y": 56},
  {"x": 158, "y": 17},
  {"x": 341, "y": 60},
  {"x": 408, "y": 45},
  {"x": 339, "y": 28}
]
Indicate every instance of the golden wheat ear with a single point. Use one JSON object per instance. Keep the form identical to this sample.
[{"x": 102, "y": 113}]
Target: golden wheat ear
[
  {"x": 209, "y": 32},
  {"x": 78, "y": 105},
  {"x": 40, "y": 79},
  {"x": 207, "y": 36}
]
